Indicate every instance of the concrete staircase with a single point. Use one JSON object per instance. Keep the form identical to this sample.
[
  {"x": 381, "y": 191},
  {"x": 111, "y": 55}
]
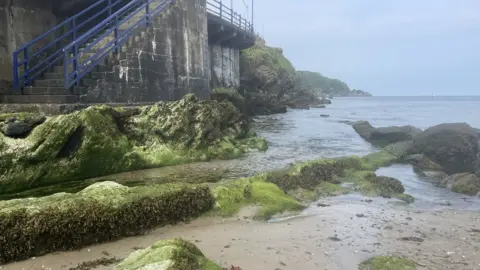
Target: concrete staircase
[{"x": 50, "y": 86}]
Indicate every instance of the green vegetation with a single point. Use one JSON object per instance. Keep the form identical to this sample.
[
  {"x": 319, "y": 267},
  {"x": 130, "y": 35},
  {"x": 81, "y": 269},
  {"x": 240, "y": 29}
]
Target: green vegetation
[
  {"x": 387, "y": 263},
  {"x": 99, "y": 213},
  {"x": 102, "y": 140},
  {"x": 172, "y": 254},
  {"x": 231, "y": 196},
  {"x": 270, "y": 81},
  {"x": 326, "y": 86}
]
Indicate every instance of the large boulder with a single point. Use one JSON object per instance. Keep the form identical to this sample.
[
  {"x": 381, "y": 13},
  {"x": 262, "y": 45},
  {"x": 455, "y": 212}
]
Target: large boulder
[
  {"x": 384, "y": 135},
  {"x": 454, "y": 146},
  {"x": 466, "y": 183},
  {"x": 387, "y": 135},
  {"x": 172, "y": 254}
]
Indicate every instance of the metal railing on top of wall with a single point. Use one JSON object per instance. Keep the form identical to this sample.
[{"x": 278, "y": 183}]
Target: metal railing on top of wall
[
  {"x": 39, "y": 55},
  {"x": 216, "y": 7}
]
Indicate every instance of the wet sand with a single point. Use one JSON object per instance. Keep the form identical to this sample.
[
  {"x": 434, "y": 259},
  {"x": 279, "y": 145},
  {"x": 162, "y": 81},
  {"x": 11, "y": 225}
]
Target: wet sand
[{"x": 337, "y": 236}]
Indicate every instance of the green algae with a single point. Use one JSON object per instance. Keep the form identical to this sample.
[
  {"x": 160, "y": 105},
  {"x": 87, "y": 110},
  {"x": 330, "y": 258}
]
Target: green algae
[
  {"x": 101, "y": 212},
  {"x": 387, "y": 263},
  {"x": 231, "y": 196},
  {"x": 172, "y": 254},
  {"x": 102, "y": 140}
]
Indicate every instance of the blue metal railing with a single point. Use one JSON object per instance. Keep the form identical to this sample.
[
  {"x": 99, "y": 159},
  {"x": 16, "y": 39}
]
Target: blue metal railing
[
  {"x": 29, "y": 61},
  {"x": 216, "y": 7},
  {"x": 85, "y": 50},
  {"x": 119, "y": 27}
]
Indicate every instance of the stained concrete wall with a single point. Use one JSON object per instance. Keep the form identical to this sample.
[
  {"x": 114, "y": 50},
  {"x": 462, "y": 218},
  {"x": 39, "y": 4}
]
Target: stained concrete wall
[
  {"x": 20, "y": 22},
  {"x": 162, "y": 62},
  {"x": 225, "y": 66}
]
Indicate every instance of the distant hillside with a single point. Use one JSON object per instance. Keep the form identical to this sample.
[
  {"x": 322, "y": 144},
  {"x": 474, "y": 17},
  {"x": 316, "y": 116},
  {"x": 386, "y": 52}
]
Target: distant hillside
[{"x": 327, "y": 86}]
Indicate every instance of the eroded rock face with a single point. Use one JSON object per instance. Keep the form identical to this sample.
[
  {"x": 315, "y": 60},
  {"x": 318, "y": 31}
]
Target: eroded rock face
[
  {"x": 466, "y": 183},
  {"x": 170, "y": 254},
  {"x": 453, "y": 146}
]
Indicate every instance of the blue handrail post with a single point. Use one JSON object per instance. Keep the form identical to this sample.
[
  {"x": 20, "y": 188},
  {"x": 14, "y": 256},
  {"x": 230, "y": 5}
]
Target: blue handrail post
[
  {"x": 221, "y": 8},
  {"x": 109, "y": 7},
  {"x": 65, "y": 68},
  {"x": 74, "y": 28},
  {"x": 25, "y": 66},
  {"x": 75, "y": 65},
  {"x": 116, "y": 34},
  {"x": 15, "y": 70},
  {"x": 147, "y": 12}
]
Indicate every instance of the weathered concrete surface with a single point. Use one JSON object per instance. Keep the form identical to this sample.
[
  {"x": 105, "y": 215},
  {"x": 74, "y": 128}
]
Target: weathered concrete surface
[
  {"x": 21, "y": 22},
  {"x": 225, "y": 66},
  {"x": 162, "y": 62}
]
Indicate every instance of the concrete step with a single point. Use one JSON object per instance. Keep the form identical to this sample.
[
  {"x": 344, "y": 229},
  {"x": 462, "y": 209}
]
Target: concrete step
[
  {"x": 53, "y": 99},
  {"x": 50, "y": 83},
  {"x": 77, "y": 90},
  {"x": 53, "y": 75}
]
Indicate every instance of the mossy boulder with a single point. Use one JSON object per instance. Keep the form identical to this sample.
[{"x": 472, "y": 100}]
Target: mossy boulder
[
  {"x": 387, "y": 263},
  {"x": 454, "y": 146},
  {"x": 102, "y": 212},
  {"x": 466, "y": 183},
  {"x": 172, "y": 254},
  {"x": 102, "y": 140},
  {"x": 231, "y": 196}
]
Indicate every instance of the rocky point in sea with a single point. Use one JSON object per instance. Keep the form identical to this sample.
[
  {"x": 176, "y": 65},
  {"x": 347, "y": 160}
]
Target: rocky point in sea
[
  {"x": 38, "y": 151},
  {"x": 451, "y": 148}
]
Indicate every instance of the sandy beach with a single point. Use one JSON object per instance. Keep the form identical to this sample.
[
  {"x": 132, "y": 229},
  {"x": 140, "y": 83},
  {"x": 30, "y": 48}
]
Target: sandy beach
[{"x": 331, "y": 235}]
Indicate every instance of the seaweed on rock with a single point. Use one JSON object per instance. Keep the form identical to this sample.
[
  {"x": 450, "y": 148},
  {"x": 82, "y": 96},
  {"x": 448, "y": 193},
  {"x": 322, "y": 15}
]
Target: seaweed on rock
[
  {"x": 102, "y": 140},
  {"x": 171, "y": 254},
  {"x": 101, "y": 212}
]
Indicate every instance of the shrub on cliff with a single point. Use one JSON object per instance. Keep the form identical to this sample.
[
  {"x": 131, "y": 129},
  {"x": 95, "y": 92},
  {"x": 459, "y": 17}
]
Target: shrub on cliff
[
  {"x": 99, "y": 213},
  {"x": 270, "y": 80},
  {"x": 103, "y": 140}
]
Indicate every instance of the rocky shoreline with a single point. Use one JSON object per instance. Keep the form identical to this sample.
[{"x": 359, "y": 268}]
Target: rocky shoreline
[
  {"x": 38, "y": 151},
  {"x": 450, "y": 151}
]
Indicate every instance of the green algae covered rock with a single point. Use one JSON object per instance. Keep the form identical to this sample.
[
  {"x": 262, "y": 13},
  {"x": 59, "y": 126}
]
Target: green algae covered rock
[
  {"x": 387, "y": 263},
  {"x": 101, "y": 212},
  {"x": 102, "y": 140},
  {"x": 172, "y": 254},
  {"x": 465, "y": 183},
  {"x": 231, "y": 196}
]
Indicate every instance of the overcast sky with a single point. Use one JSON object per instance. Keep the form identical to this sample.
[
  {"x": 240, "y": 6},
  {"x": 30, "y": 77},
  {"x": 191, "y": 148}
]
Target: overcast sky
[{"x": 387, "y": 47}]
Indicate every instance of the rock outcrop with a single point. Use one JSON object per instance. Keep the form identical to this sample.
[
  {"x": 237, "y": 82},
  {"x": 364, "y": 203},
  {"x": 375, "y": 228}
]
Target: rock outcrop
[
  {"x": 453, "y": 146},
  {"x": 102, "y": 140},
  {"x": 172, "y": 254},
  {"x": 466, "y": 183},
  {"x": 385, "y": 135}
]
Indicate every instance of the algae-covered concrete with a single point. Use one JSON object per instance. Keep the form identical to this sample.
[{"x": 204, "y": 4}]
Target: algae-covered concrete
[
  {"x": 103, "y": 140},
  {"x": 101, "y": 212}
]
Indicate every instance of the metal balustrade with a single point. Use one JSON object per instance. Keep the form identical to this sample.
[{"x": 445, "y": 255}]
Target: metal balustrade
[{"x": 79, "y": 47}]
